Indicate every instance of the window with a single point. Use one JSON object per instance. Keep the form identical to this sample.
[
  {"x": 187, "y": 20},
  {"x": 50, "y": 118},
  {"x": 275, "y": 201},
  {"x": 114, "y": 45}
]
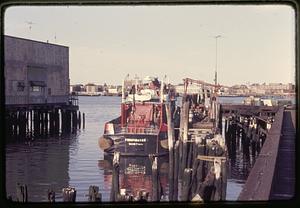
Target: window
[
  {"x": 49, "y": 91},
  {"x": 17, "y": 86},
  {"x": 20, "y": 86},
  {"x": 35, "y": 88}
]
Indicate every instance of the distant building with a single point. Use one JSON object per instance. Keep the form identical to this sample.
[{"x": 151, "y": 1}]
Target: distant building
[
  {"x": 114, "y": 90},
  {"x": 35, "y": 72},
  {"x": 77, "y": 88},
  {"x": 91, "y": 88},
  {"x": 192, "y": 89}
]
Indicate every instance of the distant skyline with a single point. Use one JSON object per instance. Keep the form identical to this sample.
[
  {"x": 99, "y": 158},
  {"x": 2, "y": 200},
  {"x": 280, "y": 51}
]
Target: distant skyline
[{"x": 108, "y": 42}]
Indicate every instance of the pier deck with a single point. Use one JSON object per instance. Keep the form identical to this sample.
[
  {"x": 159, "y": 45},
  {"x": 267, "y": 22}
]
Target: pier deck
[
  {"x": 273, "y": 174},
  {"x": 284, "y": 183}
]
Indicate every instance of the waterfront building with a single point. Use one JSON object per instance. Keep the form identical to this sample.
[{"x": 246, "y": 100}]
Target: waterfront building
[
  {"x": 37, "y": 91},
  {"x": 35, "y": 72}
]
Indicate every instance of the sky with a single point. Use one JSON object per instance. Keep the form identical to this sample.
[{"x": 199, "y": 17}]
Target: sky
[{"x": 108, "y": 42}]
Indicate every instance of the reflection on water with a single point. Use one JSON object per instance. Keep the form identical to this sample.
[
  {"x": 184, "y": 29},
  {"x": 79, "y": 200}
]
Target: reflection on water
[
  {"x": 41, "y": 164},
  {"x": 78, "y": 161},
  {"x": 136, "y": 173}
]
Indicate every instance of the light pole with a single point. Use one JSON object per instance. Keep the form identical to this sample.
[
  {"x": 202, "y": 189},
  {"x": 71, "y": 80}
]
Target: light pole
[
  {"x": 213, "y": 99},
  {"x": 216, "y": 66}
]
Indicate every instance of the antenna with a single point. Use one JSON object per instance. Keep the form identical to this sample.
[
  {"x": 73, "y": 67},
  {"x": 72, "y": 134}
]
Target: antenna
[{"x": 30, "y": 23}]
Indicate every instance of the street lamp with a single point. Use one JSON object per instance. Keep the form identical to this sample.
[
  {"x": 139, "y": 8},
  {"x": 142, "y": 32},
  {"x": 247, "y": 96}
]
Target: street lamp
[{"x": 216, "y": 66}]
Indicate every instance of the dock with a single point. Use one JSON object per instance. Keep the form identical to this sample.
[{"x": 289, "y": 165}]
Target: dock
[{"x": 273, "y": 175}]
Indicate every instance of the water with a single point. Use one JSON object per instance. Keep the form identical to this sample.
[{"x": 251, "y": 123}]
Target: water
[
  {"x": 59, "y": 162},
  {"x": 77, "y": 160}
]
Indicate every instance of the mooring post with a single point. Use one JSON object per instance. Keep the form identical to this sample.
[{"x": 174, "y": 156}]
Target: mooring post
[
  {"x": 69, "y": 194},
  {"x": 79, "y": 120},
  {"x": 224, "y": 167},
  {"x": 233, "y": 139},
  {"x": 30, "y": 122},
  {"x": 115, "y": 189},
  {"x": 51, "y": 196},
  {"x": 171, "y": 151},
  {"x": 23, "y": 123},
  {"x": 218, "y": 180},
  {"x": 69, "y": 120},
  {"x": 27, "y": 121},
  {"x": 8, "y": 125},
  {"x": 83, "y": 120},
  {"x": 75, "y": 120},
  {"x": 51, "y": 123},
  {"x": 186, "y": 184},
  {"x": 57, "y": 116},
  {"x": 155, "y": 181},
  {"x": 201, "y": 166},
  {"x": 195, "y": 182},
  {"x": 185, "y": 135},
  {"x": 42, "y": 122},
  {"x": 22, "y": 195},
  {"x": 94, "y": 195},
  {"x": 191, "y": 150},
  {"x": 176, "y": 169},
  {"x": 253, "y": 143},
  {"x": 181, "y": 132}
]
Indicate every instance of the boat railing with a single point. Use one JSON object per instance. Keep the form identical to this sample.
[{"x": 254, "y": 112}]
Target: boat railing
[{"x": 135, "y": 129}]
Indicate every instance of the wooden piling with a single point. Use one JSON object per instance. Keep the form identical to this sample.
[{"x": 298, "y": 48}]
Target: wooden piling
[
  {"x": 46, "y": 122},
  {"x": 22, "y": 195},
  {"x": 186, "y": 185},
  {"x": 155, "y": 182},
  {"x": 224, "y": 167},
  {"x": 190, "y": 151},
  {"x": 195, "y": 181},
  {"x": 36, "y": 123},
  {"x": 233, "y": 139},
  {"x": 115, "y": 189},
  {"x": 31, "y": 123},
  {"x": 185, "y": 136},
  {"x": 8, "y": 127},
  {"x": 51, "y": 122},
  {"x": 42, "y": 122},
  {"x": 51, "y": 196},
  {"x": 74, "y": 121},
  {"x": 171, "y": 140},
  {"x": 69, "y": 194},
  {"x": 94, "y": 195},
  {"x": 201, "y": 149},
  {"x": 83, "y": 120},
  {"x": 206, "y": 188},
  {"x": 68, "y": 120},
  {"x": 27, "y": 121},
  {"x": 176, "y": 169},
  {"x": 22, "y": 124},
  {"x": 79, "y": 120}
]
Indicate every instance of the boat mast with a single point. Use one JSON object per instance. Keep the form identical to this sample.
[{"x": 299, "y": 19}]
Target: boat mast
[
  {"x": 123, "y": 114},
  {"x": 123, "y": 91},
  {"x": 162, "y": 91}
]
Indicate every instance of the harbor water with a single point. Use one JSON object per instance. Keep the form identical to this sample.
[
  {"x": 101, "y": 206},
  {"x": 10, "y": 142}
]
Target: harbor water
[{"x": 77, "y": 161}]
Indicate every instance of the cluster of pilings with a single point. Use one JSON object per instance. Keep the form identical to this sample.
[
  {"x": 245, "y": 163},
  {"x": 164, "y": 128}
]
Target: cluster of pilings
[
  {"x": 246, "y": 134},
  {"x": 197, "y": 163},
  {"x": 42, "y": 121},
  {"x": 68, "y": 194}
]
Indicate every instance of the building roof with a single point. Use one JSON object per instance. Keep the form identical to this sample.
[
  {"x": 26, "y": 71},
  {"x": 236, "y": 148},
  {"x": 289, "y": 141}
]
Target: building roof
[{"x": 8, "y": 36}]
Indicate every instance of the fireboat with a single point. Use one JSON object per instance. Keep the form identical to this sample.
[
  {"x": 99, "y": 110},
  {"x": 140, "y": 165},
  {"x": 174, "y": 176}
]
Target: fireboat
[{"x": 142, "y": 127}]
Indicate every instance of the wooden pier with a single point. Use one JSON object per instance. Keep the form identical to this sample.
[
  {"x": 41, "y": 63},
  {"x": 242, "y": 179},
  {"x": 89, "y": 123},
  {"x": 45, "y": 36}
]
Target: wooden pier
[
  {"x": 273, "y": 175},
  {"x": 42, "y": 120}
]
